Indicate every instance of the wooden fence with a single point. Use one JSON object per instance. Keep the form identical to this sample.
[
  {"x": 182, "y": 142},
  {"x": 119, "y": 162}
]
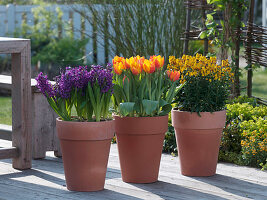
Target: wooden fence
[
  {"x": 264, "y": 12},
  {"x": 12, "y": 17}
]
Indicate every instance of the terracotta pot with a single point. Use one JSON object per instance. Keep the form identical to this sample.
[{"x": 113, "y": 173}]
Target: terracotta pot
[
  {"x": 140, "y": 142},
  {"x": 85, "y": 149},
  {"x": 198, "y": 140}
]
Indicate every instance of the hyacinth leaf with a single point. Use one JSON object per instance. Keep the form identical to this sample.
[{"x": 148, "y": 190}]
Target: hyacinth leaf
[
  {"x": 150, "y": 106},
  {"x": 165, "y": 109},
  {"x": 126, "y": 108}
]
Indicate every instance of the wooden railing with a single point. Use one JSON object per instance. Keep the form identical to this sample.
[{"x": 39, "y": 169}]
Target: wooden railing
[{"x": 20, "y": 50}]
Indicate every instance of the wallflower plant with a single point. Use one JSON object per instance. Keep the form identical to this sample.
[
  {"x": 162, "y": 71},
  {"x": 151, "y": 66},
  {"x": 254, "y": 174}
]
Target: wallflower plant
[
  {"x": 89, "y": 91},
  {"x": 142, "y": 88},
  {"x": 207, "y": 83}
]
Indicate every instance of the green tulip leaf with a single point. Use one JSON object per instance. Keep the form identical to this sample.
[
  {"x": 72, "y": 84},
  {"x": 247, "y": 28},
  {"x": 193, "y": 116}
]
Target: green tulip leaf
[
  {"x": 150, "y": 106},
  {"x": 165, "y": 109},
  {"x": 162, "y": 103},
  {"x": 126, "y": 108}
]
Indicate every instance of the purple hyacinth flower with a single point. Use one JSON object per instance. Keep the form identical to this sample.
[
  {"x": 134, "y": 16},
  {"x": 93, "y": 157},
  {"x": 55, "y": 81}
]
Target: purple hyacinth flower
[{"x": 44, "y": 85}]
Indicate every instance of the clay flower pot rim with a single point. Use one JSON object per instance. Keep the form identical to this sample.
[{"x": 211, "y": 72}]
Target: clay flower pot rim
[
  {"x": 175, "y": 110},
  {"x": 106, "y": 120},
  {"x": 138, "y": 117}
]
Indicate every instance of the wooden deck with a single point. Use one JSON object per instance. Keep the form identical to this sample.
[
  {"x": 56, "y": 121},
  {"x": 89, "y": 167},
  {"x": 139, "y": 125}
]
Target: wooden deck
[{"x": 46, "y": 181}]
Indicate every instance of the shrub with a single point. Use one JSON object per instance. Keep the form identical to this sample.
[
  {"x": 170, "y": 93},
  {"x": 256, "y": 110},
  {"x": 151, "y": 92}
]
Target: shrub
[
  {"x": 169, "y": 144},
  {"x": 206, "y": 83},
  {"x": 244, "y": 138},
  {"x": 254, "y": 141}
]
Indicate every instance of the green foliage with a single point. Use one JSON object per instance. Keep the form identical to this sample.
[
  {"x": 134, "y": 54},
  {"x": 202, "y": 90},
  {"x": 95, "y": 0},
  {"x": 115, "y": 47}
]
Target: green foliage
[
  {"x": 144, "y": 94},
  {"x": 201, "y": 95},
  {"x": 139, "y": 27},
  {"x": 169, "y": 144},
  {"x": 206, "y": 86},
  {"x": 243, "y": 99},
  {"x": 65, "y": 51},
  {"x": 254, "y": 140},
  {"x": 244, "y": 138},
  {"x": 48, "y": 44}
]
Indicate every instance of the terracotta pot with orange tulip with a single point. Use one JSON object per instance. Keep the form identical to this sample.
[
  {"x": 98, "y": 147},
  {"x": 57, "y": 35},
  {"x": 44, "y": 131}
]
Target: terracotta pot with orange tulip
[
  {"x": 142, "y": 96},
  {"x": 200, "y": 117}
]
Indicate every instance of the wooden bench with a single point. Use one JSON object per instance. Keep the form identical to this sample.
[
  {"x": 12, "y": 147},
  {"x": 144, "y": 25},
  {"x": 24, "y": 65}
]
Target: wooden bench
[{"x": 44, "y": 135}]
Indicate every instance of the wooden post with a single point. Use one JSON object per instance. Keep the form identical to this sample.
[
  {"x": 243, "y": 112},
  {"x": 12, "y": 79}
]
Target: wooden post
[
  {"x": 249, "y": 41},
  {"x": 21, "y": 107},
  {"x": 236, "y": 57},
  {"x": 187, "y": 30},
  {"x": 206, "y": 41}
]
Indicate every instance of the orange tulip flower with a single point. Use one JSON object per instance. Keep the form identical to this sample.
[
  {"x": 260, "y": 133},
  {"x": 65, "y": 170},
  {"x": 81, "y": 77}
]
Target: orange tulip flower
[
  {"x": 149, "y": 67},
  {"x": 173, "y": 75},
  {"x": 118, "y": 59},
  {"x": 127, "y": 63},
  {"x": 118, "y": 68},
  {"x": 134, "y": 66},
  {"x": 158, "y": 60}
]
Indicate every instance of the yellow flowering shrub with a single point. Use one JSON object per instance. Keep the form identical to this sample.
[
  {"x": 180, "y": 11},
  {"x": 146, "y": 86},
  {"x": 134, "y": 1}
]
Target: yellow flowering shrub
[
  {"x": 254, "y": 141},
  {"x": 207, "y": 83},
  {"x": 244, "y": 139}
]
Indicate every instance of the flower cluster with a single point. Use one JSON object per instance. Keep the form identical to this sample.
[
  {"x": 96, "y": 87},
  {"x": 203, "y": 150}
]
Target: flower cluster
[
  {"x": 77, "y": 86},
  {"x": 45, "y": 86},
  {"x": 142, "y": 86},
  {"x": 207, "y": 83},
  {"x": 137, "y": 64},
  {"x": 200, "y": 66},
  {"x": 254, "y": 140}
]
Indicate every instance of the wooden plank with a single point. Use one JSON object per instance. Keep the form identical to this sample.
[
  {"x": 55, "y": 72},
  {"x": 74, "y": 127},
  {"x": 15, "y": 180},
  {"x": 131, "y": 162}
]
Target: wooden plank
[
  {"x": 44, "y": 127},
  {"x": 12, "y": 45},
  {"x": 21, "y": 107},
  {"x": 11, "y": 152},
  {"x": 5, "y": 132},
  {"x": 6, "y": 82},
  {"x": 46, "y": 180}
]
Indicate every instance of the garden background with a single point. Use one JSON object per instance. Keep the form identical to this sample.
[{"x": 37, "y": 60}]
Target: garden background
[{"x": 89, "y": 32}]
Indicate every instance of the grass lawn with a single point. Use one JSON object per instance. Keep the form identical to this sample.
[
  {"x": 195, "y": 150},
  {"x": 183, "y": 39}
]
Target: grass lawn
[
  {"x": 5, "y": 110},
  {"x": 259, "y": 90},
  {"x": 259, "y": 83}
]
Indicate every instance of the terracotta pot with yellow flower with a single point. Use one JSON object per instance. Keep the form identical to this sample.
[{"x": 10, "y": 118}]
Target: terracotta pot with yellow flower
[
  {"x": 200, "y": 115},
  {"x": 142, "y": 97}
]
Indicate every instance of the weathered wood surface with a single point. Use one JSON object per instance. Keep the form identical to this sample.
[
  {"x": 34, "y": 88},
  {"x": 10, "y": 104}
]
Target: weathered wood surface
[
  {"x": 10, "y": 152},
  {"x": 44, "y": 128},
  {"x": 21, "y": 105},
  {"x": 46, "y": 181}
]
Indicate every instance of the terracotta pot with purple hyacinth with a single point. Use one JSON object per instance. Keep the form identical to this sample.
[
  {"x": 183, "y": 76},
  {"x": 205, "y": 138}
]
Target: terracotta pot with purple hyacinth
[{"x": 85, "y": 138}]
